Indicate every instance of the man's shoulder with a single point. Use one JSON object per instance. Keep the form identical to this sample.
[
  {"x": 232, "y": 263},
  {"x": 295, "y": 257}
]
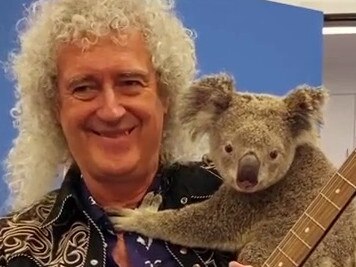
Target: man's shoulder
[
  {"x": 33, "y": 214},
  {"x": 197, "y": 172},
  {"x": 194, "y": 180},
  {"x": 20, "y": 224}
]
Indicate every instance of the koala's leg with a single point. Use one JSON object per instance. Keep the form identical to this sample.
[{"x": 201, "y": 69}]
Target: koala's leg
[{"x": 193, "y": 226}]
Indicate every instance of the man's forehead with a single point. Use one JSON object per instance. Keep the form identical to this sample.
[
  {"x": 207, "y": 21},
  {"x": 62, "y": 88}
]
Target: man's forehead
[{"x": 106, "y": 54}]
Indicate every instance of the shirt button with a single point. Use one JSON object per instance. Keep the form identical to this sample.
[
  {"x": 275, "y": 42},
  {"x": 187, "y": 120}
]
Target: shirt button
[
  {"x": 184, "y": 200},
  {"x": 196, "y": 265},
  {"x": 183, "y": 251},
  {"x": 94, "y": 262}
]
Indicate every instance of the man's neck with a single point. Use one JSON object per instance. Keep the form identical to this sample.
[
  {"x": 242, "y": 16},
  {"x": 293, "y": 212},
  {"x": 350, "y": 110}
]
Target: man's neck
[{"x": 117, "y": 193}]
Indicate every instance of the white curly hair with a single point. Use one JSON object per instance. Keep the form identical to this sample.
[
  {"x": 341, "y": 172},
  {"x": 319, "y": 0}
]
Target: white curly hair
[{"x": 40, "y": 149}]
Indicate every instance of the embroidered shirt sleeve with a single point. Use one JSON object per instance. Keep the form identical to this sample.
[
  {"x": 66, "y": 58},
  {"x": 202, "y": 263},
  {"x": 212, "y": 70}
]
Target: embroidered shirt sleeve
[{"x": 2, "y": 253}]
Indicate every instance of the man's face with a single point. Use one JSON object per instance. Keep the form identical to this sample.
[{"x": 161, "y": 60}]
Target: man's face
[{"x": 109, "y": 106}]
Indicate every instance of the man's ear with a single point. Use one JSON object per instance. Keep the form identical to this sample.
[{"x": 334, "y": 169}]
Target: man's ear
[
  {"x": 205, "y": 101},
  {"x": 305, "y": 107},
  {"x": 165, "y": 104}
]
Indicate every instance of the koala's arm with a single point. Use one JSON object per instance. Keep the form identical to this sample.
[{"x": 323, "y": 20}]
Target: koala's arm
[{"x": 196, "y": 225}]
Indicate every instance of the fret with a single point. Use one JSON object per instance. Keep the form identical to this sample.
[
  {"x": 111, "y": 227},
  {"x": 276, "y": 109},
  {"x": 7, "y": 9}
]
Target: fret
[
  {"x": 315, "y": 221},
  {"x": 307, "y": 230},
  {"x": 277, "y": 259},
  {"x": 348, "y": 170},
  {"x": 346, "y": 180},
  {"x": 321, "y": 212},
  {"x": 330, "y": 201},
  {"x": 350, "y": 158},
  {"x": 338, "y": 190},
  {"x": 286, "y": 255},
  {"x": 294, "y": 247},
  {"x": 301, "y": 239}
]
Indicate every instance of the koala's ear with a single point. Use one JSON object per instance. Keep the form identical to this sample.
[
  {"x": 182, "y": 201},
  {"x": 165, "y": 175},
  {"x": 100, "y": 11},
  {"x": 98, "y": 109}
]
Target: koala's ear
[
  {"x": 305, "y": 106},
  {"x": 205, "y": 100}
]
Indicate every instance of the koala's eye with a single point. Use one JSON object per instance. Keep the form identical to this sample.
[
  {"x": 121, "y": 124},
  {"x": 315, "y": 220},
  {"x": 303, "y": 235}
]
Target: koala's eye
[
  {"x": 228, "y": 148},
  {"x": 273, "y": 154}
]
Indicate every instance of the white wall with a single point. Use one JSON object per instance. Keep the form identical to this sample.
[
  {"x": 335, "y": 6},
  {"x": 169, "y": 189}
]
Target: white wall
[{"x": 338, "y": 137}]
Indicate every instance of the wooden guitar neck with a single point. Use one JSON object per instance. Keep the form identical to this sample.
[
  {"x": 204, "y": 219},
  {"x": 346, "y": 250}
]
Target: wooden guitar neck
[{"x": 317, "y": 219}]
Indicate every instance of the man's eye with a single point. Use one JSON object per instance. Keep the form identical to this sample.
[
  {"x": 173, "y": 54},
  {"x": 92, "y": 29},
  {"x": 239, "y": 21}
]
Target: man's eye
[
  {"x": 82, "y": 88},
  {"x": 84, "y": 92},
  {"x": 132, "y": 83}
]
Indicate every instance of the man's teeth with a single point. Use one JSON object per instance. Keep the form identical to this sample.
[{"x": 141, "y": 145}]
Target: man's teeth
[{"x": 126, "y": 133}]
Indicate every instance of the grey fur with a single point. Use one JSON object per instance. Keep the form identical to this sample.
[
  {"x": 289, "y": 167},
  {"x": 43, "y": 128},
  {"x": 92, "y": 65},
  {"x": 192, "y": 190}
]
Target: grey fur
[{"x": 252, "y": 220}]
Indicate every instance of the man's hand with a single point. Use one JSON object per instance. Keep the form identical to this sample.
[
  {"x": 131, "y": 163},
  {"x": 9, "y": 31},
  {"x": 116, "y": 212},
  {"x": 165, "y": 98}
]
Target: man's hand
[{"x": 236, "y": 264}]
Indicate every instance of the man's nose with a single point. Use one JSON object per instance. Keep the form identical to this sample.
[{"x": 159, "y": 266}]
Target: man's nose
[{"x": 111, "y": 108}]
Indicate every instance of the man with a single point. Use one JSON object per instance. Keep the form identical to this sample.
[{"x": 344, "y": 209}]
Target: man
[{"x": 98, "y": 85}]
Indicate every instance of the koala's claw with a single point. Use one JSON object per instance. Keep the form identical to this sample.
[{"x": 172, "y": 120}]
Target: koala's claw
[
  {"x": 134, "y": 219},
  {"x": 151, "y": 201},
  {"x": 124, "y": 219}
]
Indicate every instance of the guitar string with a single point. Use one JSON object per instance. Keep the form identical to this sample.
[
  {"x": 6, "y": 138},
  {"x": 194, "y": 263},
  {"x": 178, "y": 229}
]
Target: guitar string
[
  {"x": 317, "y": 202},
  {"x": 288, "y": 236},
  {"x": 302, "y": 224},
  {"x": 316, "y": 207},
  {"x": 336, "y": 182}
]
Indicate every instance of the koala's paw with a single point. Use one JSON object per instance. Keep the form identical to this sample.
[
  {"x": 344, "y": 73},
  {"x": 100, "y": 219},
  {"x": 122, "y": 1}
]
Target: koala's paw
[
  {"x": 136, "y": 220},
  {"x": 151, "y": 201},
  {"x": 127, "y": 219}
]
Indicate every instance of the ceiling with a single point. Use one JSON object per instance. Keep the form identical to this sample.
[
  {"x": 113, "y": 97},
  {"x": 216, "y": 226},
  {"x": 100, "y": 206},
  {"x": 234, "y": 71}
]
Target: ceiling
[{"x": 327, "y": 6}]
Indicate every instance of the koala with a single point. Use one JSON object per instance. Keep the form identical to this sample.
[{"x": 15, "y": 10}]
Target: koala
[{"x": 265, "y": 148}]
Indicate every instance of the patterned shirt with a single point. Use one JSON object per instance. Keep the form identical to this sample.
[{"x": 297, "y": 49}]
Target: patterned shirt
[{"x": 142, "y": 251}]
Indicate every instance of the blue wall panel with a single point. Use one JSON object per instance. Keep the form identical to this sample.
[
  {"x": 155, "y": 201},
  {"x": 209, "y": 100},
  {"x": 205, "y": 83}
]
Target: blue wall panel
[{"x": 269, "y": 47}]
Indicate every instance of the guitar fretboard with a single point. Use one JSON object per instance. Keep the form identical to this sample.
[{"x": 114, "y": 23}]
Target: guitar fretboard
[{"x": 317, "y": 219}]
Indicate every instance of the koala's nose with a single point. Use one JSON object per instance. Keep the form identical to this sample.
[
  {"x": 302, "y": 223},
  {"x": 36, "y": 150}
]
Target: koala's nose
[{"x": 247, "y": 174}]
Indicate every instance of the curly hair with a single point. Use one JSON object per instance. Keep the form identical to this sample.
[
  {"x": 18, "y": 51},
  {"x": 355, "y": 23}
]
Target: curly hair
[{"x": 40, "y": 148}]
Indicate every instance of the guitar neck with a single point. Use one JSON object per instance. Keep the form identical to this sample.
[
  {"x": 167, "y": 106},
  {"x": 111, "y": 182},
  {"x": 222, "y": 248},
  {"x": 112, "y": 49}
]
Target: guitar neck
[{"x": 318, "y": 218}]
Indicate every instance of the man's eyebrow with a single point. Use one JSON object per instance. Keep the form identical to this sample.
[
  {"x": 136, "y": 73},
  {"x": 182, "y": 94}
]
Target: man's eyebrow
[
  {"x": 143, "y": 75},
  {"x": 135, "y": 74},
  {"x": 79, "y": 79}
]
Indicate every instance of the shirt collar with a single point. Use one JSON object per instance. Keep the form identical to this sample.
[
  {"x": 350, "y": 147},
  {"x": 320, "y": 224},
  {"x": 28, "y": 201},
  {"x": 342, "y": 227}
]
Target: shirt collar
[
  {"x": 74, "y": 195},
  {"x": 67, "y": 196}
]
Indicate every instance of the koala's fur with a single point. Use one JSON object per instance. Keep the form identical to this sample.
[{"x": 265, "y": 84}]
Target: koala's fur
[{"x": 252, "y": 135}]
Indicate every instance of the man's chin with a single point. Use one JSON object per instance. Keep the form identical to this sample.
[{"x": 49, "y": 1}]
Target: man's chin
[{"x": 120, "y": 167}]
